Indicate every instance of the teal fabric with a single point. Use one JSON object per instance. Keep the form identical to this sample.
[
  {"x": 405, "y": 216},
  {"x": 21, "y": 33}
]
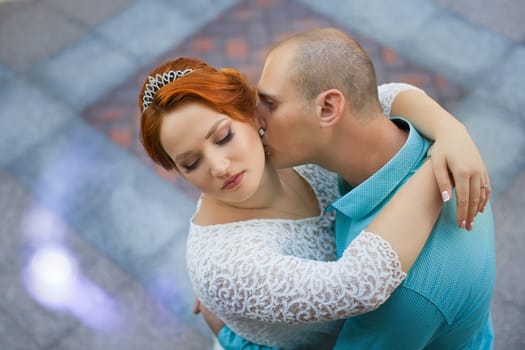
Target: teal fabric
[
  {"x": 444, "y": 303},
  {"x": 232, "y": 341}
]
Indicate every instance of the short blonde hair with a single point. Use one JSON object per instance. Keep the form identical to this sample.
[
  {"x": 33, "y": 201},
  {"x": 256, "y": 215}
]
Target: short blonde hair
[{"x": 328, "y": 58}]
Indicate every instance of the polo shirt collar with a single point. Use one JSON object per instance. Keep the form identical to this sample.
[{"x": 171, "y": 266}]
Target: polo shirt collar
[{"x": 362, "y": 199}]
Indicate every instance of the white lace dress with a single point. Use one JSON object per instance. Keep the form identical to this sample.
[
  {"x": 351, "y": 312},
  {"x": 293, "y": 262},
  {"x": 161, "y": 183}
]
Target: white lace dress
[{"x": 275, "y": 281}]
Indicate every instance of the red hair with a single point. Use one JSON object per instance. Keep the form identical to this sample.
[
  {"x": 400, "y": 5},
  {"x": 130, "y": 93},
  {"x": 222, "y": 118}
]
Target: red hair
[{"x": 225, "y": 90}]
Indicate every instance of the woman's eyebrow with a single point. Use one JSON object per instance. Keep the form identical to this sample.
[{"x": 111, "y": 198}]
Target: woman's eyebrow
[{"x": 214, "y": 127}]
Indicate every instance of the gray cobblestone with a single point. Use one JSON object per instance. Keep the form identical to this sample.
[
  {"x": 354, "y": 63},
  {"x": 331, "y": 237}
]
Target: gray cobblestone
[
  {"x": 113, "y": 209},
  {"x": 68, "y": 54},
  {"x": 40, "y": 119},
  {"x": 21, "y": 48},
  {"x": 455, "y": 48},
  {"x": 504, "y": 82},
  {"x": 499, "y": 137},
  {"x": 75, "y": 75},
  {"x": 13, "y": 336},
  {"x": 147, "y": 29}
]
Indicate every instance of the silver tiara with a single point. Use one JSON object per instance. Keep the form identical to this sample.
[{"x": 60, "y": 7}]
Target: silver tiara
[{"x": 158, "y": 81}]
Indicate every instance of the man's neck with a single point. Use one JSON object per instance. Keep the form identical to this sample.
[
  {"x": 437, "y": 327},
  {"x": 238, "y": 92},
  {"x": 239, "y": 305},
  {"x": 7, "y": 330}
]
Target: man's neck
[{"x": 365, "y": 149}]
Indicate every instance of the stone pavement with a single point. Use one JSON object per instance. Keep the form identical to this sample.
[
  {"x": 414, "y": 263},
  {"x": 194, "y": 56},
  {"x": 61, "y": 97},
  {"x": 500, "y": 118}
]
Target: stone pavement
[{"x": 79, "y": 198}]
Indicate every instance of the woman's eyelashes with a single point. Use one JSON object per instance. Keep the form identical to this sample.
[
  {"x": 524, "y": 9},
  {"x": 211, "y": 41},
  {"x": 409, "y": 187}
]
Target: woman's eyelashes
[
  {"x": 225, "y": 138},
  {"x": 193, "y": 164}
]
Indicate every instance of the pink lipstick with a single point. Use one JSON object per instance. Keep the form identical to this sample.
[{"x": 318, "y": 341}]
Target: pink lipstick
[{"x": 233, "y": 181}]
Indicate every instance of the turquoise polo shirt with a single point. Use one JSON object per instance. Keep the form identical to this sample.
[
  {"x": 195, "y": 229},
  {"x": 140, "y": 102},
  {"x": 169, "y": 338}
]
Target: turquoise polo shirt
[{"x": 444, "y": 303}]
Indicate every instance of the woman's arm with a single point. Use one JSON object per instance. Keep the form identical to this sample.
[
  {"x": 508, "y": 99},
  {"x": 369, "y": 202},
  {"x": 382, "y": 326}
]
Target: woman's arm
[
  {"x": 455, "y": 158},
  {"x": 407, "y": 219},
  {"x": 246, "y": 276}
]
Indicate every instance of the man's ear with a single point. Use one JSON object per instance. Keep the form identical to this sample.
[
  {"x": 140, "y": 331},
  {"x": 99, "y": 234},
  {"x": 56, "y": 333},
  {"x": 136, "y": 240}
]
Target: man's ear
[{"x": 330, "y": 106}]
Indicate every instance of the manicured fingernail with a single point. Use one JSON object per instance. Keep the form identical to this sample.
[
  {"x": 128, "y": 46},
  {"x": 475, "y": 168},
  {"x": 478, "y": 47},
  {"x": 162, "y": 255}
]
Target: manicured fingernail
[
  {"x": 463, "y": 224},
  {"x": 471, "y": 225},
  {"x": 445, "y": 195}
]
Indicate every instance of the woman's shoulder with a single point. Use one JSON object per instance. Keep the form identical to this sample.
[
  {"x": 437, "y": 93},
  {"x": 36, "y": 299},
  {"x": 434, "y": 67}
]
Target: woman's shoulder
[
  {"x": 210, "y": 213},
  {"x": 323, "y": 181},
  {"x": 313, "y": 171}
]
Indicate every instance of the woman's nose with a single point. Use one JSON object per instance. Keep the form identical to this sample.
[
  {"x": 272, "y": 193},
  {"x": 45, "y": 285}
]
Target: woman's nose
[{"x": 219, "y": 167}]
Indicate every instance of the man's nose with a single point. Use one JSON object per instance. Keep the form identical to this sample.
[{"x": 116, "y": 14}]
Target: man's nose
[{"x": 219, "y": 167}]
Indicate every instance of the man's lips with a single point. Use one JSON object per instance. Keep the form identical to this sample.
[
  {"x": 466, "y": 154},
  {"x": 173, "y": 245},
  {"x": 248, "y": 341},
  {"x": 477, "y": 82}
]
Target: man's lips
[{"x": 233, "y": 181}]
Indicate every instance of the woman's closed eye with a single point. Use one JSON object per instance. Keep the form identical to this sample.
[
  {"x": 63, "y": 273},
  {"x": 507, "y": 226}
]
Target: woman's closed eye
[
  {"x": 189, "y": 166},
  {"x": 226, "y": 138}
]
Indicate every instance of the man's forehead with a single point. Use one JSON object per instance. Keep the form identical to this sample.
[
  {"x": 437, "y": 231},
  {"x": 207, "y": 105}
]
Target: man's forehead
[{"x": 274, "y": 79}]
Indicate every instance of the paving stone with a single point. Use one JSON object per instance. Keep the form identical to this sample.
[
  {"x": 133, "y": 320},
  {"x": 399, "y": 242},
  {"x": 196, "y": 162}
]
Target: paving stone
[
  {"x": 143, "y": 324},
  {"x": 453, "y": 47},
  {"x": 107, "y": 214},
  {"x": 9, "y": 8},
  {"x": 378, "y": 18},
  {"x": 101, "y": 190},
  {"x": 91, "y": 12},
  {"x": 43, "y": 33},
  {"x": 200, "y": 11},
  {"x": 75, "y": 75},
  {"x": 13, "y": 336},
  {"x": 28, "y": 227},
  {"x": 5, "y": 73},
  {"x": 506, "y": 319},
  {"x": 43, "y": 325},
  {"x": 504, "y": 82},
  {"x": 40, "y": 118},
  {"x": 511, "y": 242},
  {"x": 502, "y": 16},
  {"x": 147, "y": 29},
  {"x": 508, "y": 308},
  {"x": 167, "y": 278},
  {"x": 496, "y": 133},
  {"x": 27, "y": 224}
]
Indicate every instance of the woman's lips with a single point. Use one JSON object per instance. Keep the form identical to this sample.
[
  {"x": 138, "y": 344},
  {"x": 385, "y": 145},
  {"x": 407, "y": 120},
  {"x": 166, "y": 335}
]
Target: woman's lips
[{"x": 233, "y": 181}]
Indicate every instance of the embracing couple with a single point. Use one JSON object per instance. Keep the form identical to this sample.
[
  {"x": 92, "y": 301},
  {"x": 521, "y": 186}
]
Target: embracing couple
[{"x": 334, "y": 214}]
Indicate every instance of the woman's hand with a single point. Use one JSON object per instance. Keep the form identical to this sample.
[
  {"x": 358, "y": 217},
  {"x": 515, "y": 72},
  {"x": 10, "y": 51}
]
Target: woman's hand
[
  {"x": 455, "y": 157},
  {"x": 211, "y": 319},
  {"x": 457, "y": 162}
]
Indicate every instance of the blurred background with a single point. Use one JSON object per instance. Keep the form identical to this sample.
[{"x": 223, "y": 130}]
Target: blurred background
[{"x": 93, "y": 234}]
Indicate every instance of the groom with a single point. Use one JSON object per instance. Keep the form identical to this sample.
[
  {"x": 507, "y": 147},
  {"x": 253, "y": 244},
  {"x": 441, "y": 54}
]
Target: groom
[{"x": 320, "y": 94}]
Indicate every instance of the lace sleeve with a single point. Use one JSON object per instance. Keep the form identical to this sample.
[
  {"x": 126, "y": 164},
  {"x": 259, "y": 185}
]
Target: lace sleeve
[
  {"x": 388, "y": 92},
  {"x": 278, "y": 288}
]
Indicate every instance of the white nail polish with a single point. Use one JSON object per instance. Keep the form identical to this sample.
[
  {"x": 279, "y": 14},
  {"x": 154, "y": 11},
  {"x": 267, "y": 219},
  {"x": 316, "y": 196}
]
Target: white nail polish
[
  {"x": 463, "y": 224},
  {"x": 445, "y": 196}
]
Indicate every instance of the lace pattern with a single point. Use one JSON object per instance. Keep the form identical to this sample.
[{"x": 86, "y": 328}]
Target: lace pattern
[
  {"x": 258, "y": 274},
  {"x": 388, "y": 92},
  {"x": 273, "y": 281}
]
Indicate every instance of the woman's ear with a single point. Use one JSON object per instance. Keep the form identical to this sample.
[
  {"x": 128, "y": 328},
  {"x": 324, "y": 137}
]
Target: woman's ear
[{"x": 329, "y": 107}]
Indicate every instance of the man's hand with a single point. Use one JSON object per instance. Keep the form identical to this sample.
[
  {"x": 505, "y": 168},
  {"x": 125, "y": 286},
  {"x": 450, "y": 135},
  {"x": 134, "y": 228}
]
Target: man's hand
[
  {"x": 211, "y": 319},
  {"x": 457, "y": 162}
]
